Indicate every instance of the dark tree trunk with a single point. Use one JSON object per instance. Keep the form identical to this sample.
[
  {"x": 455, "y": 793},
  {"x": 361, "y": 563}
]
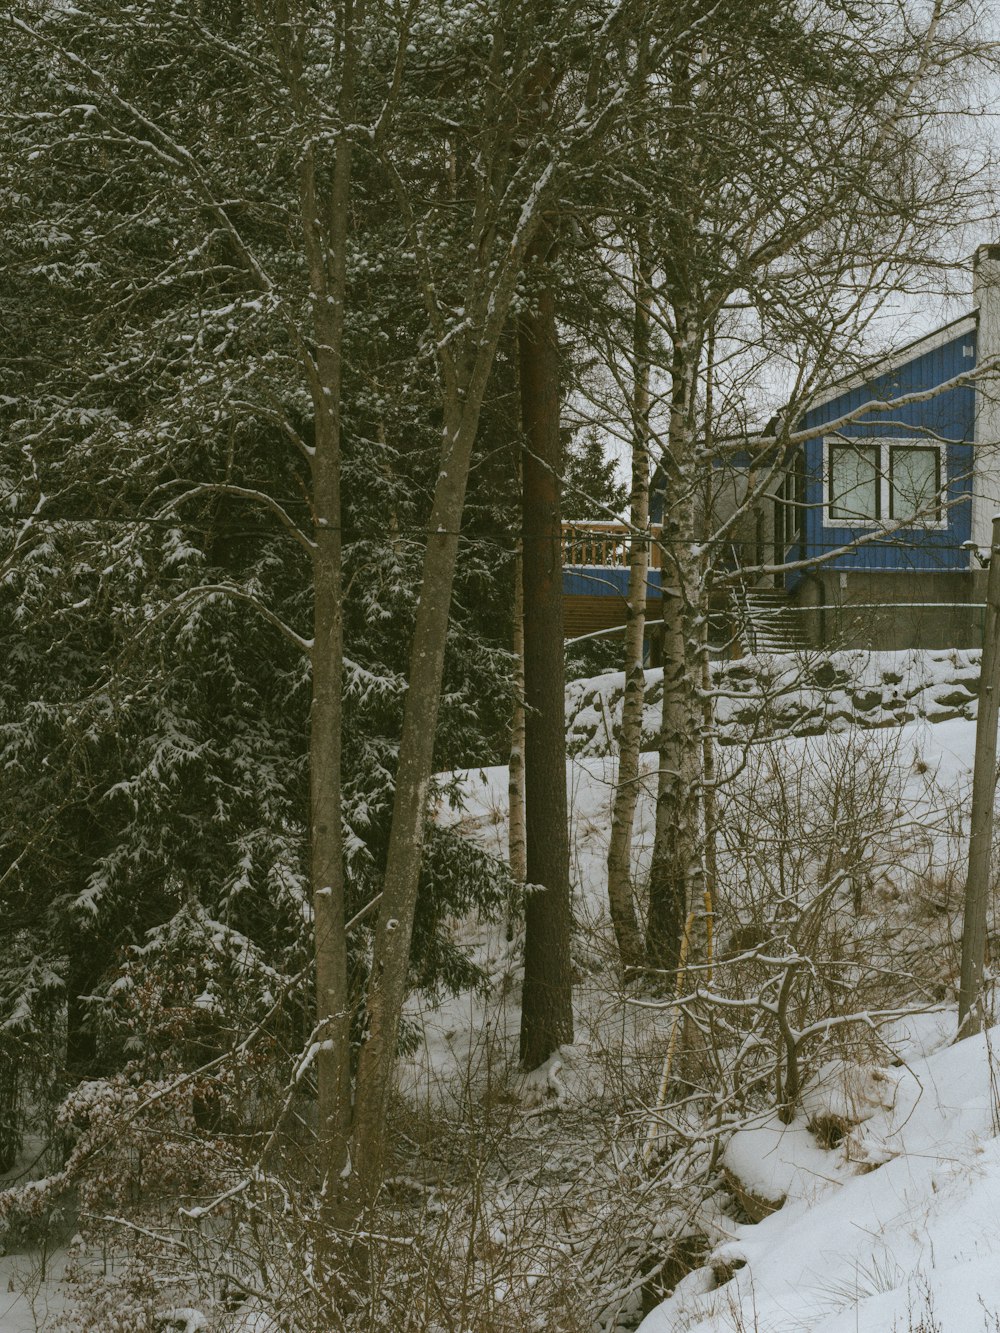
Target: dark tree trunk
[
  {"x": 547, "y": 999},
  {"x": 516, "y": 849},
  {"x": 10, "y": 1107}
]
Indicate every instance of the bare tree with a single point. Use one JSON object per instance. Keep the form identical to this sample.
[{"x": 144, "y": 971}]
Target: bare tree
[
  {"x": 781, "y": 239},
  {"x": 620, "y": 899}
]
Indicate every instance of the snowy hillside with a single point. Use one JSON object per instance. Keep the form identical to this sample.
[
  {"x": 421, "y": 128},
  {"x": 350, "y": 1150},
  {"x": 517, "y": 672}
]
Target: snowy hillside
[
  {"x": 880, "y": 1198},
  {"x": 886, "y": 1185},
  {"x": 895, "y": 1228}
]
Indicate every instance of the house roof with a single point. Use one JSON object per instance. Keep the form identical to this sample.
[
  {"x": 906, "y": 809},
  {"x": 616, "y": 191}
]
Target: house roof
[
  {"x": 963, "y": 326},
  {"x": 899, "y": 356}
]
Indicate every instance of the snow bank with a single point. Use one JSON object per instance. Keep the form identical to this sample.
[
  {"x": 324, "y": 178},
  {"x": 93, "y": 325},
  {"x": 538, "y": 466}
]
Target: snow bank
[
  {"x": 896, "y": 1228},
  {"x": 799, "y": 695}
]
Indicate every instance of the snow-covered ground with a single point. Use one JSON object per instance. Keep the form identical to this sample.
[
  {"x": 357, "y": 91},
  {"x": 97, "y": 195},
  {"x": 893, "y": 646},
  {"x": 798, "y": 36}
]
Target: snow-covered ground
[
  {"x": 930, "y": 761},
  {"x": 897, "y": 1227},
  {"x": 32, "y": 1295},
  {"x": 894, "y": 1228},
  {"x": 36, "y": 1296}
]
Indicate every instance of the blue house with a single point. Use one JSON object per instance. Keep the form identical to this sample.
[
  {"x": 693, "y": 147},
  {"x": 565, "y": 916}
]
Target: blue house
[
  {"x": 889, "y": 496},
  {"x": 868, "y": 534}
]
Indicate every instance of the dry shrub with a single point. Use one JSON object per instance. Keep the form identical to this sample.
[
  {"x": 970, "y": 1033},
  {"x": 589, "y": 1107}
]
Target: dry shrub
[{"x": 822, "y": 856}]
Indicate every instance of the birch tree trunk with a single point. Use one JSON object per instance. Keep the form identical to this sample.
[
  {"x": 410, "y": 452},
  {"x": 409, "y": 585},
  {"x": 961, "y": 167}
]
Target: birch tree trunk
[
  {"x": 677, "y": 872},
  {"x": 620, "y": 901}
]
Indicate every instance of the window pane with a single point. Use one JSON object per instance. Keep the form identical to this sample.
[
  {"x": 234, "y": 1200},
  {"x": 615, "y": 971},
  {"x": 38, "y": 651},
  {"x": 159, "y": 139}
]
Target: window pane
[
  {"x": 914, "y": 483},
  {"x": 854, "y": 482}
]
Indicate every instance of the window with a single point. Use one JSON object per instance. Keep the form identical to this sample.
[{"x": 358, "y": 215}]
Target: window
[
  {"x": 855, "y": 492},
  {"x": 914, "y": 482},
  {"x": 870, "y": 483},
  {"x": 789, "y": 508}
]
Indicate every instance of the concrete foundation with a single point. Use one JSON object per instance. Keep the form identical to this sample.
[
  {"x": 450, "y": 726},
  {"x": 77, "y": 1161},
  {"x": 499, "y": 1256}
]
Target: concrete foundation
[{"x": 888, "y": 610}]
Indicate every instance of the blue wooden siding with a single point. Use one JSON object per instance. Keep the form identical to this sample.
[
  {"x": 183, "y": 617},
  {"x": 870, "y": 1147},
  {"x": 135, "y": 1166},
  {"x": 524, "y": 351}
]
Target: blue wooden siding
[
  {"x": 947, "y": 419},
  {"x": 604, "y": 581}
]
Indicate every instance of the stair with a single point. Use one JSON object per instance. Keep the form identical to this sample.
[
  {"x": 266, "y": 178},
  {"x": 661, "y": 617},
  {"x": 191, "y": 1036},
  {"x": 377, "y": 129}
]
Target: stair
[{"x": 767, "y": 623}]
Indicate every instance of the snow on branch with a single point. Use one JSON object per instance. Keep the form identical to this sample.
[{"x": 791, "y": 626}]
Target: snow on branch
[
  {"x": 245, "y": 493},
  {"x": 209, "y": 591}
]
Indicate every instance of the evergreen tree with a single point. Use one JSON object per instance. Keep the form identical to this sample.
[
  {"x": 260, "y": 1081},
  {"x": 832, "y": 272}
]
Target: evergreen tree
[
  {"x": 591, "y": 483},
  {"x": 244, "y": 442},
  {"x": 155, "y": 728}
]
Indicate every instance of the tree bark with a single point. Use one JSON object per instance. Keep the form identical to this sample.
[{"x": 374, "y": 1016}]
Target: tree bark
[
  {"x": 677, "y": 872},
  {"x": 465, "y": 353},
  {"x": 668, "y": 883},
  {"x": 516, "y": 845},
  {"x": 387, "y": 985},
  {"x": 326, "y": 835},
  {"x": 10, "y": 1106},
  {"x": 620, "y": 901},
  {"x": 547, "y": 997},
  {"x": 324, "y": 223}
]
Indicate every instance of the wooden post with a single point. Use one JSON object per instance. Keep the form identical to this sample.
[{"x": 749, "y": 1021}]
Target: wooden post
[{"x": 977, "y": 886}]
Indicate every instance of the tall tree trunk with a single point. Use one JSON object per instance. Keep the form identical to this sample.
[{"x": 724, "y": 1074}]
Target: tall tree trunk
[
  {"x": 620, "y": 902},
  {"x": 677, "y": 872},
  {"x": 547, "y": 997},
  {"x": 978, "y": 885},
  {"x": 326, "y": 718},
  {"x": 516, "y": 844},
  {"x": 464, "y": 363},
  {"x": 387, "y": 984},
  {"x": 10, "y": 1105},
  {"x": 464, "y": 376},
  {"x": 324, "y": 221}
]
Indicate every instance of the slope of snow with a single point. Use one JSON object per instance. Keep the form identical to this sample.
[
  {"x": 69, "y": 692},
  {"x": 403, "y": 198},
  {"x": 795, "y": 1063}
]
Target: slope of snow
[
  {"x": 912, "y": 1243},
  {"x": 897, "y": 1226},
  {"x": 934, "y": 762}
]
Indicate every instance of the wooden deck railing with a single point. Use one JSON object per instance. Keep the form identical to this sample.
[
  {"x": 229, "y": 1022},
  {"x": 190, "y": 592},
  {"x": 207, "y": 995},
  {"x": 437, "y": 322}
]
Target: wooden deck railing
[{"x": 607, "y": 544}]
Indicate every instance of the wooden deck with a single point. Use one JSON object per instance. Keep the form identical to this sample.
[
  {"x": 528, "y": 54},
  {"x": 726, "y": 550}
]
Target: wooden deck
[
  {"x": 595, "y": 577},
  {"x": 603, "y": 544}
]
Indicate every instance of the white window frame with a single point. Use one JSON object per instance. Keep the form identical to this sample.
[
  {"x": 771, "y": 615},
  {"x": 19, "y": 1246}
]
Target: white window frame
[{"x": 884, "y": 443}]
